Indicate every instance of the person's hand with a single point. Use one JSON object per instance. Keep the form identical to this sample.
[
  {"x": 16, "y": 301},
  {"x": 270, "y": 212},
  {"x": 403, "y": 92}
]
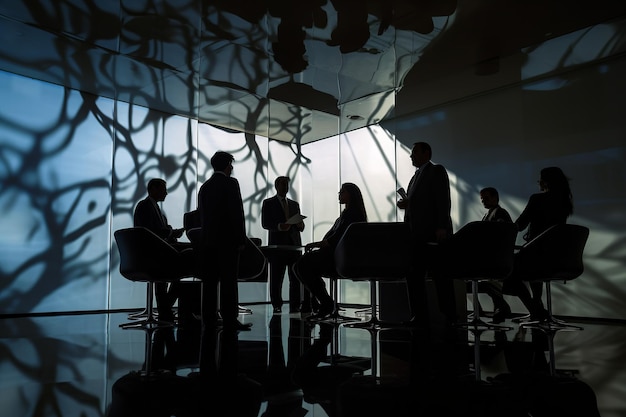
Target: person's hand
[
  {"x": 313, "y": 245},
  {"x": 402, "y": 204},
  {"x": 176, "y": 233},
  {"x": 283, "y": 227}
]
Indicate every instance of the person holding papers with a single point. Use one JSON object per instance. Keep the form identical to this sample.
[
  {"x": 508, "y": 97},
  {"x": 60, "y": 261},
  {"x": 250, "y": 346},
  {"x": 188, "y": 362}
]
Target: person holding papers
[{"x": 281, "y": 217}]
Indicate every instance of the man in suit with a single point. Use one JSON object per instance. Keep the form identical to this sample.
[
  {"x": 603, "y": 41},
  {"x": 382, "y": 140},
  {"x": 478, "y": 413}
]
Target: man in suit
[
  {"x": 490, "y": 198},
  {"x": 148, "y": 214},
  {"x": 427, "y": 211},
  {"x": 222, "y": 238},
  {"x": 275, "y": 211}
]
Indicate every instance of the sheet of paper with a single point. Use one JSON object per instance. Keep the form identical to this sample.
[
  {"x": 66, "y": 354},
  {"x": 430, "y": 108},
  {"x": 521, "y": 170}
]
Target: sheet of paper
[{"x": 295, "y": 219}]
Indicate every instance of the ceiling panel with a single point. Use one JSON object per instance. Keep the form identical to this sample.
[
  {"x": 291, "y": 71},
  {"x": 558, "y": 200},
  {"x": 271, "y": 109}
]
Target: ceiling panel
[{"x": 299, "y": 71}]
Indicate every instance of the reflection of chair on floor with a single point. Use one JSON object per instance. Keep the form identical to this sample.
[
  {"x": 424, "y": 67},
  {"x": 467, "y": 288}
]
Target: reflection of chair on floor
[
  {"x": 478, "y": 251},
  {"x": 150, "y": 391},
  {"x": 319, "y": 383},
  {"x": 554, "y": 255},
  {"x": 541, "y": 388},
  {"x": 373, "y": 252},
  {"x": 145, "y": 257}
]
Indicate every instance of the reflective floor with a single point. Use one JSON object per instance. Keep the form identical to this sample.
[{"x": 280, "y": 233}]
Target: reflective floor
[{"x": 86, "y": 365}]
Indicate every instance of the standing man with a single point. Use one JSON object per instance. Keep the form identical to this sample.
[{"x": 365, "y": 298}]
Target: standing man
[
  {"x": 223, "y": 237},
  {"x": 275, "y": 211},
  {"x": 427, "y": 211},
  {"x": 490, "y": 198},
  {"x": 148, "y": 214}
]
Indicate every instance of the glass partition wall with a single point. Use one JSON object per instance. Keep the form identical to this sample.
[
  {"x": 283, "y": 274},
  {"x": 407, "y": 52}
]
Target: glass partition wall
[{"x": 73, "y": 164}]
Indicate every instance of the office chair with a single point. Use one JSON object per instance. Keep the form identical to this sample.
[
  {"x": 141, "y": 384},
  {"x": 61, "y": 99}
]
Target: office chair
[
  {"x": 374, "y": 252},
  {"x": 252, "y": 264},
  {"x": 478, "y": 251},
  {"x": 145, "y": 257},
  {"x": 554, "y": 255}
]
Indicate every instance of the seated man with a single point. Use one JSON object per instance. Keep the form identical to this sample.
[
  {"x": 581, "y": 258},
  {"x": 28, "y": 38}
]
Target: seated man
[{"x": 148, "y": 214}]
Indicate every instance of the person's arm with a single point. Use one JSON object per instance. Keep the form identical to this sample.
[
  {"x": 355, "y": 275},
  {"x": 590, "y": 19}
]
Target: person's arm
[
  {"x": 146, "y": 216},
  {"x": 501, "y": 215},
  {"x": 272, "y": 216},
  {"x": 443, "y": 202},
  {"x": 235, "y": 211},
  {"x": 526, "y": 216}
]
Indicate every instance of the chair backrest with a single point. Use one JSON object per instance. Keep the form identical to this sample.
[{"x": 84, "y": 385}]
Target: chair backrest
[
  {"x": 375, "y": 250},
  {"x": 554, "y": 255},
  {"x": 252, "y": 262},
  {"x": 144, "y": 256},
  {"x": 191, "y": 219},
  {"x": 191, "y": 224},
  {"x": 478, "y": 250}
]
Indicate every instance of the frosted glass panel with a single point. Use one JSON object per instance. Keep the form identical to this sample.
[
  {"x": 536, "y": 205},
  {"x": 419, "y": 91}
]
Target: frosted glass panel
[{"x": 55, "y": 197}]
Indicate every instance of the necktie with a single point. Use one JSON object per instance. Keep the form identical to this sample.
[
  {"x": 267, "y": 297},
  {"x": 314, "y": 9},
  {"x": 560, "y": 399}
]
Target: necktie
[{"x": 285, "y": 208}]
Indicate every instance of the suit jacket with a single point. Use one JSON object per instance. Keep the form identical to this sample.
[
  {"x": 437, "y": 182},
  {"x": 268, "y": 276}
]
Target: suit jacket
[
  {"x": 429, "y": 203},
  {"x": 498, "y": 214},
  {"x": 541, "y": 212},
  {"x": 335, "y": 233},
  {"x": 221, "y": 213},
  {"x": 272, "y": 214},
  {"x": 148, "y": 215}
]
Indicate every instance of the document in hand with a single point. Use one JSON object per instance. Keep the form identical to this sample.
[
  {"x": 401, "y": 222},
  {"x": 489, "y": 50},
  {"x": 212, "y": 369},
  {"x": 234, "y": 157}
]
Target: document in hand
[{"x": 295, "y": 219}]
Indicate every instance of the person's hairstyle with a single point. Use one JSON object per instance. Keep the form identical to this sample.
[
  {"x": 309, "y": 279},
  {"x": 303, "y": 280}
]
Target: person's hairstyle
[
  {"x": 279, "y": 179},
  {"x": 491, "y": 191},
  {"x": 220, "y": 160},
  {"x": 154, "y": 184},
  {"x": 557, "y": 184},
  {"x": 356, "y": 198},
  {"x": 424, "y": 147}
]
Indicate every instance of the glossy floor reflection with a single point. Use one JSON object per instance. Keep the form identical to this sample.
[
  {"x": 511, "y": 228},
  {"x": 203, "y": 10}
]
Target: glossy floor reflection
[{"x": 85, "y": 365}]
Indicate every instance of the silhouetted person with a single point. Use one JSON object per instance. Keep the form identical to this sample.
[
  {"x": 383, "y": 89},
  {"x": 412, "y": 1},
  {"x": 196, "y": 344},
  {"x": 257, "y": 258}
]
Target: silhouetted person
[
  {"x": 427, "y": 211},
  {"x": 283, "y": 397},
  {"x": 320, "y": 383},
  {"x": 315, "y": 264},
  {"x": 491, "y": 201},
  {"x": 149, "y": 215},
  {"x": 220, "y": 388},
  {"x": 223, "y": 237},
  {"x": 275, "y": 211},
  {"x": 553, "y": 205}
]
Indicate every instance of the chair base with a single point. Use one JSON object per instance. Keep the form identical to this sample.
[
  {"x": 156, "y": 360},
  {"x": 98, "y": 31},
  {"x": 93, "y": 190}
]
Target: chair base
[
  {"x": 335, "y": 318},
  {"x": 147, "y": 324},
  {"x": 477, "y": 324},
  {"x": 550, "y": 324},
  {"x": 150, "y": 321},
  {"x": 374, "y": 323},
  {"x": 244, "y": 310}
]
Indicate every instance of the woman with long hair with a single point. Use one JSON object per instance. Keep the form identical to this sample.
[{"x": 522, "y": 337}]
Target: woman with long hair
[
  {"x": 553, "y": 205},
  {"x": 318, "y": 260}
]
